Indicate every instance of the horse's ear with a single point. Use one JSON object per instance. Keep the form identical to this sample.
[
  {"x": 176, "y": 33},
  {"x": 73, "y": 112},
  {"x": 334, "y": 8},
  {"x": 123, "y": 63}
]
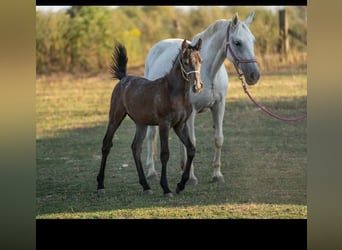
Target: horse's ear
[
  {"x": 184, "y": 46},
  {"x": 198, "y": 46},
  {"x": 249, "y": 18},
  {"x": 235, "y": 19}
]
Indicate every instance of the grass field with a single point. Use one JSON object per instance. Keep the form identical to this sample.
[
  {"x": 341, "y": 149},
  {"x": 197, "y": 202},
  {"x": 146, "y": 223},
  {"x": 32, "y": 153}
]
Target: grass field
[{"x": 264, "y": 160}]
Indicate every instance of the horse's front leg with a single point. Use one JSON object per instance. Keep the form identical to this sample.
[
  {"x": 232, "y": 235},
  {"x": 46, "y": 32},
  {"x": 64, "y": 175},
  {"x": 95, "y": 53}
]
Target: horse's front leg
[
  {"x": 182, "y": 132},
  {"x": 191, "y": 131},
  {"x": 218, "y": 115},
  {"x": 136, "y": 149},
  {"x": 164, "y": 157},
  {"x": 151, "y": 149}
]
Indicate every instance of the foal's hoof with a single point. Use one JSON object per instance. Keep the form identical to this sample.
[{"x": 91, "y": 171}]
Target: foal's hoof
[
  {"x": 148, "y": 191},
  {"x": 218, "y": 179},
  {"x": 192, "y": 182},
  {"x": 179, "y": 189},
  {"x": 101, "y": 192},
  {"x": 168, "y": 195}
]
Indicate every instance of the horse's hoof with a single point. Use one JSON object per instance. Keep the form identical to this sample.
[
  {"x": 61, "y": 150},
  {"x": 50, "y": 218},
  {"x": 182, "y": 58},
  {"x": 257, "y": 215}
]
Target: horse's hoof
[
  {"x": 179, "y": 188},
  {"x": 192, "y": 182},
  {"x": 153, "y": 176},
  {"x": 101, "y": 192},
  {"x": 168, "y": 195},
  {"x": 218, "y": 179},
  {"x": 148, "y": 191}
]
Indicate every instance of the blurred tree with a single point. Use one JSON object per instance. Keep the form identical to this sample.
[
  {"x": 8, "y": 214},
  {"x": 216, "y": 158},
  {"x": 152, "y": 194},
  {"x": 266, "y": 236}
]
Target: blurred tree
[
  {"x": 89, "y": 37},
  {"x": 80, "y": 39},
  {"x": 50, "y": 42}
]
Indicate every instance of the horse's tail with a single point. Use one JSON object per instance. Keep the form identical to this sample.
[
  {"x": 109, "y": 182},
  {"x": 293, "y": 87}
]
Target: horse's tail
[{"x": 119, "y": 61}]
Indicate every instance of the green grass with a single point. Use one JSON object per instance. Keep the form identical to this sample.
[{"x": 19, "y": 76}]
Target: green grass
[{"x": 264, "y": 161}]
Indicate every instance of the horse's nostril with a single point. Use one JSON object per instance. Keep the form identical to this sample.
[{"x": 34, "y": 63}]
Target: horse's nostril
[{"x": 254, "y": 76}]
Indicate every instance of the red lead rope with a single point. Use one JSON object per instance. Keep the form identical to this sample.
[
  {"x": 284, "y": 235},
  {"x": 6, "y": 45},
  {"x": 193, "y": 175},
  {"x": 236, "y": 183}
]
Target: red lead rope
[
  {"x": 236, "y": 63},
  {"x": 291, "y": 119}
]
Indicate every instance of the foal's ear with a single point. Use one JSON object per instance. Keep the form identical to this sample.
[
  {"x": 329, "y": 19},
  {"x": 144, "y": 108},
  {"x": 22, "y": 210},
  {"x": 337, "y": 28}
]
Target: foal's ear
[
  {"x": 235, "y": 19},
  {"x": 184, "y": 46},
  {"x": 198, "y": 46}
]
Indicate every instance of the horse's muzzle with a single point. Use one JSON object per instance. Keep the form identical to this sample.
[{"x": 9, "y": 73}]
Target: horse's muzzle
[{"x": 252, "y": 78}]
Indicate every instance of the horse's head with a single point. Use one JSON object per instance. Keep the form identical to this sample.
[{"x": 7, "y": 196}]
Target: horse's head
[
  {"x": 191, "y": 60},
  {"x": 240, "y": 48}
]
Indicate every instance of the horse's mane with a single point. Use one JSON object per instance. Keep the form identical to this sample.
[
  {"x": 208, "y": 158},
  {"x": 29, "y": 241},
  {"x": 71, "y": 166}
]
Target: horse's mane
[
  {"x": 211, "y": 29},
  {"x": 208, "y": 32}
]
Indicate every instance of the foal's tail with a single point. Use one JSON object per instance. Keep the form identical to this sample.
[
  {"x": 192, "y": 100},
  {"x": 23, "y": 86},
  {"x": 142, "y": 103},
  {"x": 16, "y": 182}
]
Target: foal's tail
[{"x": 119, "y": 61}]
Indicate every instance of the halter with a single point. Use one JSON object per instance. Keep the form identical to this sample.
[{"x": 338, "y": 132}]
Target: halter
[
  {"x": 237, "y": 61},
  {"x": 184, "y": 73},
  {"x": 241, "y": 77}
]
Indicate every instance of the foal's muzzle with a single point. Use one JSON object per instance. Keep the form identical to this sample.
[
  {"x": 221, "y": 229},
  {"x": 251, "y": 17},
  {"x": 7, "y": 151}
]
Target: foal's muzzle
[{"x": 197, "y": 87}]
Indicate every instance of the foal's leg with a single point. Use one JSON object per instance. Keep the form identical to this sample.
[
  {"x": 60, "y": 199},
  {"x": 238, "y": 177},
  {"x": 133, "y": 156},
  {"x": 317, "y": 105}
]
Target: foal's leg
[
  {"x": 113, "y": 124},
  {"x": 164, "y": 157},
  {"x": 182, "y": 132},
  {"x": 191, "y": 131},
  {"x": 218, "y": 115},
  {"x": 151, "y": 149},
  {"x": 136, "y": 149}
]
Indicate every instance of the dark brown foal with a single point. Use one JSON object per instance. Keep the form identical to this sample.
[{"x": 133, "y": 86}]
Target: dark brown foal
[{"x": 163, "y": 102}]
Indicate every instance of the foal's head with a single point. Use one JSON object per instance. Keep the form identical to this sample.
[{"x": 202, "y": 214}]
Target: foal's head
[{"x": 190, "y": 61}]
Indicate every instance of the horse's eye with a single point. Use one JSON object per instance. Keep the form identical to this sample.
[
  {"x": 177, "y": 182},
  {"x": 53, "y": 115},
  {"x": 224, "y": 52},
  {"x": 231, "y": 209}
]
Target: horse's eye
[{"x": 237, "y": 43}]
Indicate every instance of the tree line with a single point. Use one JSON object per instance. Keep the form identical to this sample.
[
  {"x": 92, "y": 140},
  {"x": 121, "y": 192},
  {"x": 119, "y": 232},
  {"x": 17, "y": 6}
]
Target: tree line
[{"x": 80, "y": 39}]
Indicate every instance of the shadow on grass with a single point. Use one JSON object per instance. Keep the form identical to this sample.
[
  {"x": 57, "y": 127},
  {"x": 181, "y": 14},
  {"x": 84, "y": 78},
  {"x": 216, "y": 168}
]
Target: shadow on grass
[{"x": 263, "y": 161}]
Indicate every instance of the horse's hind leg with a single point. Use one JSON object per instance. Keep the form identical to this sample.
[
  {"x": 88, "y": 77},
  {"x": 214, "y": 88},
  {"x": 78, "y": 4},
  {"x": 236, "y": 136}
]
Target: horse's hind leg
[
  {"x": 151, "y": 149},
  {"x": 182, "y": 133},
  {"x": 113, "y": 124},
  {"x": 136, "y": 149}
]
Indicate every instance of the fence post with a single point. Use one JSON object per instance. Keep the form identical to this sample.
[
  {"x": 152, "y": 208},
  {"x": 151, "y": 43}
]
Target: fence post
[{"x": 283, "y": 34}]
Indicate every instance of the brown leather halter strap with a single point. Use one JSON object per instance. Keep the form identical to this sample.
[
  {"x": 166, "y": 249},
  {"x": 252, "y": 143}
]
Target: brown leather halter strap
[
  {"x": 184, "y": 73},
  {"x": 237, "y": 61}
]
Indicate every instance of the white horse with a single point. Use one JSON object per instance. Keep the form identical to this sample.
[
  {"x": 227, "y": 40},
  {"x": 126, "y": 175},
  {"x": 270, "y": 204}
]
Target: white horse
[{"x": 229, "y": 39}]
